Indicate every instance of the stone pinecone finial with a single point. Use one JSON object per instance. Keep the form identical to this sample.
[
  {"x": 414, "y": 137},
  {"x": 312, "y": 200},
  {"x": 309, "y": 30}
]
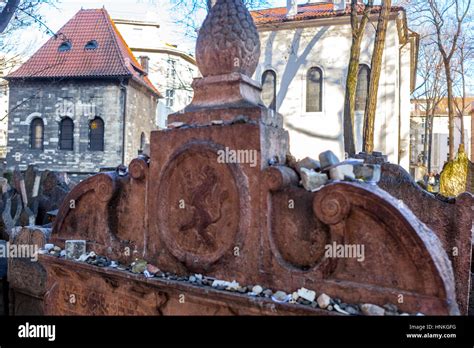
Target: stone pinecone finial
[{"x": 228, "y": 41}]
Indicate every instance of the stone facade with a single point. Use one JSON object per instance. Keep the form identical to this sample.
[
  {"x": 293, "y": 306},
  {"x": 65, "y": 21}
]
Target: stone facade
[{"x": 82, "y": 101}]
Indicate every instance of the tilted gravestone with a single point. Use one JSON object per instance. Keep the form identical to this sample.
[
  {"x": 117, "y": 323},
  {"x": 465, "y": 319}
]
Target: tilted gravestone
[{"x": 192, "y": 207}]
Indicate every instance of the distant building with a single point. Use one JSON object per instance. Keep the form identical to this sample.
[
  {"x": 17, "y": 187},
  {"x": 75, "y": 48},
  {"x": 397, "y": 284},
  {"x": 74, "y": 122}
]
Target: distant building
[
  {"x": 82, "y": 102},
  {"x": 169, "y": 69},
  {"x": 303, "y": 69},
  {"x": 440, "y": 141}
]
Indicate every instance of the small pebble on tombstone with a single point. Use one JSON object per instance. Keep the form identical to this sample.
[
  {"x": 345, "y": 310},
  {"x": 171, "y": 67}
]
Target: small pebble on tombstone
[
  {"x": 152, "y": 269},
  {"x": 308, "y": 295},
  {"x": 308, "y": 163},
  {"x": 339, "y": 309},
  {"x": 328, "y": 159},
  {"x": 75, "y": 248},
  {"x": 139, "y": 266},
  {"x": 371, "y": 309},
  {"x": 368, "y": 172},
  {"x": 295, "y": 296},
  {"x": 342, "y": 172},
  {"x": 323, "y": 301},
  {"x": 280, "y": 296},
  {"x": 257, "y": 289},
  {"x": 311, "y": 180},
  {"x": 352, "y": 310}
]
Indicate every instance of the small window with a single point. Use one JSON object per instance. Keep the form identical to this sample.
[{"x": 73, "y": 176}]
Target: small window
[
  {"x": 362, "y": 90},
  {"x": 91, "y": 45},
  {"x": 269, "y": 89},
  {"x": 142, "y": 143},
  {"x": 96, "y": 134},
  {"x": 66, "y": 134},
  {"x": 170, "y": 98},
  {"x": 314, "y": 90},
  {"x": 171, "y": 69},
  {"x": 65, "y": 46},
  {"x": 37, "y": 134}
]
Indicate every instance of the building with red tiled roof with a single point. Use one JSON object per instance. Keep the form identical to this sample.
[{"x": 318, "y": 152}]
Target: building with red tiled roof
[
  {"x": 310, "y": 10},
  {"x": 82, "y": 101},
  {"x": 303, "y": 68}
]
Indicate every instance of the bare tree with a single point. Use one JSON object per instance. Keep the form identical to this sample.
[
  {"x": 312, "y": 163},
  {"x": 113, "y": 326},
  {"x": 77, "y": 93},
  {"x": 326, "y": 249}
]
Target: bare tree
[
  {"x": 14, "y": 16},
  {"x": 376, "y": 68},
  {"x": 431, "y": 91},
  {"x": 447, "y": 18},
  {"x": 358, "y": 25},
  {"x": 190, "y": 13},
  {"x": 463, "y": 57}
]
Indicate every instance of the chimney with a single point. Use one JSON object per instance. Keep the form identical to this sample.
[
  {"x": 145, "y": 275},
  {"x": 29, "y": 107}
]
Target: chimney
[
  {"x": 144, "y": 62},
  {"x": 291, "y": 8}
]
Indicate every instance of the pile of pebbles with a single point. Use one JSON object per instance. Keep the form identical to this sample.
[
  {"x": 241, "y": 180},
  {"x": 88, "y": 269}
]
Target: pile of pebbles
[
  {"x": 302, "y": 296},
  {"x": 315, "y": 174}
]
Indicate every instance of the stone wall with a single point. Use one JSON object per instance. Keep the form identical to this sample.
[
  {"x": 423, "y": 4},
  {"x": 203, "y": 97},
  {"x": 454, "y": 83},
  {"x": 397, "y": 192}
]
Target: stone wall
[
  {"x": 140, "y": 118},
  {"x": 81, "y": 101}
]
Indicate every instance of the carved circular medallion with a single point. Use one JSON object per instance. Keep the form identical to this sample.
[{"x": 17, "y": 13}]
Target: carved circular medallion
[
  {"x": 104, "y": 187},
  {"x": 331, "y": 207},
  {"x": 199, "y": 206}
]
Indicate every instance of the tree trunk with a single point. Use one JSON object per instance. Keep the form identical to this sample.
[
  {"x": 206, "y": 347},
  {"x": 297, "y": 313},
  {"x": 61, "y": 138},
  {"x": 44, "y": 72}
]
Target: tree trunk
[
  {"x": 427, "y": 123},
  {"x": 376, "y": 68},
  {"x": 463, "y": 97},
  {"x": 7, "y": 13},
  {"x": 349, "y": 104},
  {"x": 462, "y": 128},
  {"x": 430, "y": 140},
  {"x": 449, "y": 85},
  {"x": 358, "y": 30}
]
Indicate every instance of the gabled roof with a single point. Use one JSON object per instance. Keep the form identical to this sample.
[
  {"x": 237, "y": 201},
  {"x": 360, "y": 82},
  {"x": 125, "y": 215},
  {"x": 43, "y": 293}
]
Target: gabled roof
[
  {"x": 306, "y": 12},
  {"x": 111, "y": 57}
]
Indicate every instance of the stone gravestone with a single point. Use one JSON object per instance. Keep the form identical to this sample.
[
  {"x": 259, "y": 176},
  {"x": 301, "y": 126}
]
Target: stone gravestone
[
  {"x": 450, "y": 219},
  {"x": 217, "y": 202}
]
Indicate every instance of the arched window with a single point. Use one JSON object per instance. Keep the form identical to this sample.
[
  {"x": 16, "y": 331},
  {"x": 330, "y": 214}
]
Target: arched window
[
  {"x": 314, "y": 90},
  {"x": 362, "y": 91},
  {"x": 269, "y": 89},
  {"x": 66, "y": 134},
  {"x": 96, "y": 134},
  {"x": 37, "y": 134},
  {"x": 142, "y": 143}
]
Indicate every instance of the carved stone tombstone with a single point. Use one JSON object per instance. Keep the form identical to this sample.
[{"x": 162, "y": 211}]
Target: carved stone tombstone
[{"x": 214, "y": 198}]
